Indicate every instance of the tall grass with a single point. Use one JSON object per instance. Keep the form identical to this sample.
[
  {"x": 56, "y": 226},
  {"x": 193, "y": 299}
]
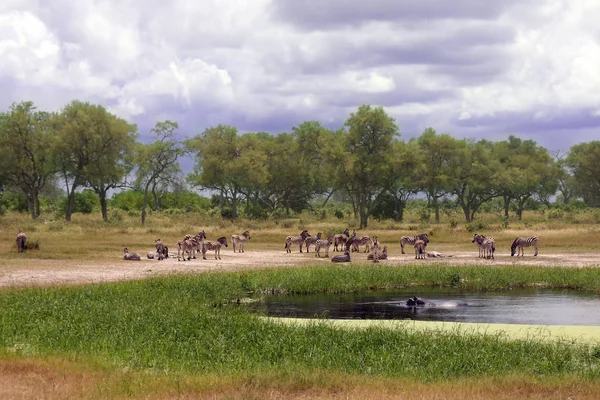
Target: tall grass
[{"x": 193, "y": 324}]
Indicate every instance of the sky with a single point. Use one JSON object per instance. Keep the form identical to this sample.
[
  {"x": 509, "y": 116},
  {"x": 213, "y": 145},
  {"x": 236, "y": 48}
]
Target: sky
[{"x": 470, "y": 68}]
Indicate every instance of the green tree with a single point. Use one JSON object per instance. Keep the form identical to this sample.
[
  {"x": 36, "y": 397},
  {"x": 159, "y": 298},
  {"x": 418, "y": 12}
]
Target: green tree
[
  {"x": 473, "y": 169},
  {"x": 229, "y": 164},
  {"x": 368, "y": 155},
  {"x": 526, "y": 170},
  {"x": 25, "y": 155},
  {"x": 435, "y": 174},
  {"x": 403, "y": 176},
  {"x": 583, "y": 159},
  {"x": 158, "y": 161},
  {"x": 94, "y": 148}
]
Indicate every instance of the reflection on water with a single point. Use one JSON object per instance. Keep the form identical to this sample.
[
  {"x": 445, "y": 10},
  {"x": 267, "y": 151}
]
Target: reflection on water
[{"x": 511, "y": 307}]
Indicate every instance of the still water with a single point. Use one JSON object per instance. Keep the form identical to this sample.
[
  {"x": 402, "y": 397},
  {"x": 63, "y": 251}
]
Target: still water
[{"x": 543, "y": 307}]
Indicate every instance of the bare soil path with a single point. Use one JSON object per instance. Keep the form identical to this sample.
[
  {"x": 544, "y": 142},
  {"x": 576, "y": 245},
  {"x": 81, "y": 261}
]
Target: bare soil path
[{"x": 34, "y": 272}]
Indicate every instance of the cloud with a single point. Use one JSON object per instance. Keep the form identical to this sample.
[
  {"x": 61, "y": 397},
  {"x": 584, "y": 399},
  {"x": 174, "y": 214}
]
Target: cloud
[{"x": 470, "y": 68}]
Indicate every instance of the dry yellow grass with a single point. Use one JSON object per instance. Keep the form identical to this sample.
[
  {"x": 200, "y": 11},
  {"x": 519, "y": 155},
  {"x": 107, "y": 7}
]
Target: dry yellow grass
[{"x": 55, "y": 379}]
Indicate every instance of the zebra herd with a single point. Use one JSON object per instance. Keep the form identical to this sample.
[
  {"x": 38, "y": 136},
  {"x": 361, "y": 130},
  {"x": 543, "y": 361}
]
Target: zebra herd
[
  {"x": 191, "y": 245},
  {"x": 350, "y": 243}
]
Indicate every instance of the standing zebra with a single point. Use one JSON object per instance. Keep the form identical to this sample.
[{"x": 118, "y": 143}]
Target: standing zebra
[
  {"x": 486, "y": 245},
  {"x": 340, "y": 239},
  {"x": 420, "y": 246},
  {"x": 323, "y": 244},
  {"x": 21, "y": 241},
  {"x": 412, "y": 239},
  {"x": 299, "y": 240},
  {"x": 214, "y": 245},
  {"x": 375, "y": 252},
  {"x": 240, "y": 240},
  {"x": 312, "y": 240},
  {"x": 160, "y": 249},
  {"x": 521, "y": 242}
]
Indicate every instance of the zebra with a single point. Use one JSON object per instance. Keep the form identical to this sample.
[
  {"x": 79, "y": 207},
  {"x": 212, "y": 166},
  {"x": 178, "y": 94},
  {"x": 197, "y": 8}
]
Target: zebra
[
  {"x": 375, "y": 249},
  {"x": 191, "y": 245},
  {"x": 350, "y": 240},
  {"x": 160, "y": 249},
  {"x": 340, "y": 239},
  {"x": 521, "y": 242},
  {"x": 486, "y": 245},
  {"x": 360, "y": 240},
  {"x": 240, "y": 240},
  {"x": 130, "y": 256},
  {"x": 344, "y": 258},
  {"x": 215, "y": 245},
  {"x": 412, "y": 239},
  {"x": 312, "y": 240},
  {"x": 21, "y": 241},
  {"x": 420, "y": 246},
  {"x": 323, "y": 244},
  {"x": 299, "y": 240},
  {"x": 381, "y": 256}
]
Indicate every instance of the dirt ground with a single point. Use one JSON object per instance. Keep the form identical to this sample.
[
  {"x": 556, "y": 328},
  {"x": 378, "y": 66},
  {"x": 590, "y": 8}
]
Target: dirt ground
[{"x": 33, "y": 272}]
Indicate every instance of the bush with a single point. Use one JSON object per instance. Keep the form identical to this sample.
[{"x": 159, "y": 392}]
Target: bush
[{"x": 477, "y": 226}]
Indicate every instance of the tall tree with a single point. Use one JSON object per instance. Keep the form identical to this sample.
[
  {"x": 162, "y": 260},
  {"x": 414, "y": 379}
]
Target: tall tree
[
  {"x": 403, "y": 175},
  {"x": 158, "y": 160},
  {"x": 473, "y": 169},
  {"x": 92, "y": 149},
  {"x": 435, "y": 174},
  {"x": 583, "y": 159},
  {"x": 114, "y": 141},
  {"x": 526, "y": 170},
  {"x": 26, "y": 157},
  {"x": 230, "y": 164},
  {"x": 368, "y": 158}
]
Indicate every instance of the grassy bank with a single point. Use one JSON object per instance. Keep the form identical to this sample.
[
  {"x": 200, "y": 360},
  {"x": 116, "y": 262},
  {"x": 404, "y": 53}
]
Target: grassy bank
[{"x": 192, "y": 324}]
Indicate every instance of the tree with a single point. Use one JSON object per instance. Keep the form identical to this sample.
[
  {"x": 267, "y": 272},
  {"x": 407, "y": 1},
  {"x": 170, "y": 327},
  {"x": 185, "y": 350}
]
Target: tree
[
  {"x": 583, "y": 159},
  {"x": 435, "y": 174},
  {"x": 473, "y": 168},
  {"x": 115, "y": 141},
  {"x": 368, "y": 156},
  {"x": 230, "y": 164},
  {"x": 526, "y": 169},
  {"x": 157, "y": 161},
  {"x": 93, "y": 148},
  {"x": 403, "y": 176},
  {"x": 25, "y": 156}
]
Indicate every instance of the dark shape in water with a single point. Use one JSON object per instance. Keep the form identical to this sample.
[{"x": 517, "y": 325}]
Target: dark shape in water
[{"x": 415, "y": 301}]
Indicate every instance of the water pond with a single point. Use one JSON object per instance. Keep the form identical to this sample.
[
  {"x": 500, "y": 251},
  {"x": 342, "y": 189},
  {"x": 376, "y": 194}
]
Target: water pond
[{"x": 540, "y": 307}]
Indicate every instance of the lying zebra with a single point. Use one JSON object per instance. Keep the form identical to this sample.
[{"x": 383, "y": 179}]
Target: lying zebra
[
  {"x": 420, "y": 246},
  {"x": 21, "y": 241},
  {"x": 130, "y": 256},
  {"x": 209, "y": 245},
  {"x": 323, "y": 244},
  {"x": 340, "y": 239},
  {"x": 299, "y": 240},
  {"x": 380, "y": 255},
  {"x": 486, "y": 245},
  {"x": 412, "y": 239},
  {"x": 344, "y": 258},
  {"x": 240, "y": 240},
  {"x": 521, "y": 242},
  {"x": 312, "y": 240}
]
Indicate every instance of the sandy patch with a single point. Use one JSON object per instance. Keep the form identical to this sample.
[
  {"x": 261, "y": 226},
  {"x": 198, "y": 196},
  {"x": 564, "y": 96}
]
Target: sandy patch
[{"x": 33, "y": 272}]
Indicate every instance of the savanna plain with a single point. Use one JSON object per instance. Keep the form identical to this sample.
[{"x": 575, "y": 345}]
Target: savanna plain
[{"x": 78, "y": 321}]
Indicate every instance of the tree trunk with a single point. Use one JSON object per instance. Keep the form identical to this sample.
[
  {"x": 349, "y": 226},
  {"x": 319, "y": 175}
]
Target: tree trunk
[
  {"x": 234, "y": 212},
  {"x": 363, "y": 216},
  {"x": 467, "y": 212},
  {"x": 506, "y": 205},
  {"x": 400, "y": 206},
  {"x": 70, "y": 206},
  {"x": 144, "y": 204},
  {"x": 436, "y": 205},
  {"x": 36, "y": 201},
  {"x": 31, "y": 206},
  {"x": 103, "y": 207}
]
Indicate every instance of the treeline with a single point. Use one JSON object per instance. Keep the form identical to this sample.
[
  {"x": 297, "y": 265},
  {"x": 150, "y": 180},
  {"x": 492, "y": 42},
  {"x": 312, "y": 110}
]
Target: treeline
[{"x": 84, "y": 149}]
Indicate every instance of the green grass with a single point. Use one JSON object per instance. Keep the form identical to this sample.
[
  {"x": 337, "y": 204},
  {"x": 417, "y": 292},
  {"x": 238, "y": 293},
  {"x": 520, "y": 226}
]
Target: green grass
[{"x": 191, "y": 324}]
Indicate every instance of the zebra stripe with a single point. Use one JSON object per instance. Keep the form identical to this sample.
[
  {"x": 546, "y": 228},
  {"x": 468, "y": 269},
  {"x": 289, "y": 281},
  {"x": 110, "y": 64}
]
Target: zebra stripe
[
  {"x": 410, "y": 240},
  {"x": 486, "y": 245},
  {"x": 520, "y": 242}
]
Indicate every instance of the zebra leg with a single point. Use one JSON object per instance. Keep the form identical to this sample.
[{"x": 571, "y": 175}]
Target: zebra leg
[
  {"x": 402, "y": 246},
  {"x": 536, "y": 251}
]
